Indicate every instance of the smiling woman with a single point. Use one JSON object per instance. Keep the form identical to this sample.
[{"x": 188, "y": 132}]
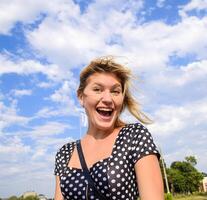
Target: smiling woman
[{"x": 114, "y": 160}]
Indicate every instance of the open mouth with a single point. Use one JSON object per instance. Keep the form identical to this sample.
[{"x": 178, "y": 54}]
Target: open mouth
[{"x": 106, "y": 112}]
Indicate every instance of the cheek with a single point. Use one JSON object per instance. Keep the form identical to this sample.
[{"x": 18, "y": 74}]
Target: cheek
[
  {"x": 89, "y": 102},
  {"x": 119, "y": 103}
]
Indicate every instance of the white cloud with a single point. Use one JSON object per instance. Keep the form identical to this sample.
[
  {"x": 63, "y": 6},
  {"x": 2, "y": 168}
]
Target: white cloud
[
  {"x": 30, "y": 166},
  {"x": 64, "y": 97},
  {"x": 170, "y": 120},
  {"x": 27, "y": 67},
  {"x": 28, "y": 176},
  {"x": 67, "y": 44},
  {"x": 45, "y": 85},
  {"x": 119, "y": 33},
  {"x": 83, "y": 36},
  {"x": 54, "y": 142},
  {"x": 193, "y": 5},
  {"x": 73, "y": 35},
  {"x": 48, "y": 129},
  {"x": 19, "y": 93},
  {"x": 13, "y": 146},
  {"x": 195, "y": 71},
  {"x": 184, "y": 76},
  {"x": 180, "y": 130},
  {"x": 174, "y": 85},
  {"x": 63, "y": 94},
  {"x": 29, "y": 11},
  {"x": 21, "y": 11},
  {"x": 160, "y": 3},
  {"x": 47, "y": 112},
  {"x": 9, "y": 116}
]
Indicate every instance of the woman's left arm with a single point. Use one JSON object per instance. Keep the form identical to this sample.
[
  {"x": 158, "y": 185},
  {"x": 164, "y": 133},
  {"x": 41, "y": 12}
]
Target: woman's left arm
[{"x": 149, "y": 178}]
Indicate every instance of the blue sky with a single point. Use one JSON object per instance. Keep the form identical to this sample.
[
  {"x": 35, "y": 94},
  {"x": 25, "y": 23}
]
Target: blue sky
[{"x": 45, "y": 44}]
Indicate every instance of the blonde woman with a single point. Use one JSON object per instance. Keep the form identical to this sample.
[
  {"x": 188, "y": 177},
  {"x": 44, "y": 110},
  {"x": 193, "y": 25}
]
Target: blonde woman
[{"x": 121, "y": 160}]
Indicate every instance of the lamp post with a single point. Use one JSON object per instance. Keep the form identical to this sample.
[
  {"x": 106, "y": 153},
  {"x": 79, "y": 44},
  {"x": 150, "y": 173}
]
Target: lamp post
[
  {"x": 164, "y": 170},
  {"x": 82, "y": 119}
]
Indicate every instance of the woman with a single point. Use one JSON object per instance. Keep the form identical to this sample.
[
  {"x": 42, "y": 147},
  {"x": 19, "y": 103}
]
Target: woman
[{"x": 122, "y": 159}]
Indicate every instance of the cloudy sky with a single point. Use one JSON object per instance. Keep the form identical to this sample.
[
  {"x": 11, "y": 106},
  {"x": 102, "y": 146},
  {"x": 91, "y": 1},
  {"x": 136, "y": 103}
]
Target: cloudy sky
[{"x": 45, "y": 44}]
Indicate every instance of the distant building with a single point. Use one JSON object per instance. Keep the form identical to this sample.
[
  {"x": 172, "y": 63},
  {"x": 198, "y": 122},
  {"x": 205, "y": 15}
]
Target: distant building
[
  {"x": 205, "y": 184},
  {"x": 29, "y": 193},
  {"x": 32, "y": 193}
]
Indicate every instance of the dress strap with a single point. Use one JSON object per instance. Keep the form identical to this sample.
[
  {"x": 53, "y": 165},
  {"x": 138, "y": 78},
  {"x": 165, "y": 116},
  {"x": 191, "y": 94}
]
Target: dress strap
[{"x": 86, "y": 172}]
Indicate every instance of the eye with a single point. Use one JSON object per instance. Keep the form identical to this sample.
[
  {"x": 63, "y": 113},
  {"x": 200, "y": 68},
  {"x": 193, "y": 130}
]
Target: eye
[
  {"x": 116, "y": 92},
  {"x": 97, "y": 90}
]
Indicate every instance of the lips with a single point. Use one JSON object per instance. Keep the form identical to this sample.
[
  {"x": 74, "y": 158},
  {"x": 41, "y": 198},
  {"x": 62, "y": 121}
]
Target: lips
[{"x": 105, "y": 112}]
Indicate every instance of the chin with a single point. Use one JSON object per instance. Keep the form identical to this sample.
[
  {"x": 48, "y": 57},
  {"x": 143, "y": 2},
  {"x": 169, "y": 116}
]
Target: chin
[{"x": 105, "y": 125}]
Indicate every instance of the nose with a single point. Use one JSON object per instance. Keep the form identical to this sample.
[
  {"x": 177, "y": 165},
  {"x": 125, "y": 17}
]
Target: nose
[{"x": 107, "y": 98}]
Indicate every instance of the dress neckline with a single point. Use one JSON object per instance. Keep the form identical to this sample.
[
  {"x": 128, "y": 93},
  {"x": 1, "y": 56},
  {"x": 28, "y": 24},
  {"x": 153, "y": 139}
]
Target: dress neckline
[{"x": 99, "y": 161}]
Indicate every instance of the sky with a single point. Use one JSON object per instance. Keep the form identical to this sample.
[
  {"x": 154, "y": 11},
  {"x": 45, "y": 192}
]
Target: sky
[{"x": 45, "y": 44}]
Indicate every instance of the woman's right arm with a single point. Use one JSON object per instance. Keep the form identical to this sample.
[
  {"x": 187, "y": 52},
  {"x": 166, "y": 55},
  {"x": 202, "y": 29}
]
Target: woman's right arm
[{"x": 58, "y": 194}]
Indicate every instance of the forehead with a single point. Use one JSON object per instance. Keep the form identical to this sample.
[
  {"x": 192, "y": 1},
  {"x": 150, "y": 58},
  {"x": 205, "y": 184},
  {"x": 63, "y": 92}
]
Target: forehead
[{"x": 103, "y": 79}]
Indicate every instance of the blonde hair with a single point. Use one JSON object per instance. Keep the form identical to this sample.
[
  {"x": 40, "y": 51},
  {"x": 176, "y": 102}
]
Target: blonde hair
[{"x": 108, "y": 65}]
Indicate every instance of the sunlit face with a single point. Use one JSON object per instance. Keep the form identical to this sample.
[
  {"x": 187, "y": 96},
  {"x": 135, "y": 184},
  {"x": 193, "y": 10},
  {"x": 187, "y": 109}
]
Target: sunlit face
[{"x": 102, "y": 99}]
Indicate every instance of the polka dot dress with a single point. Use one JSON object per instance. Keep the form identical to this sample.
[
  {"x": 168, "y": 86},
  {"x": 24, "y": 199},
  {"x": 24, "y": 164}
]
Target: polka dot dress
[{"x": 113, "y": 176}]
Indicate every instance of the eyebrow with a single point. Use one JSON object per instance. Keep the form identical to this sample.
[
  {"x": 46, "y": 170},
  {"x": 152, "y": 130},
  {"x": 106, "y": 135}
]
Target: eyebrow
[{"x": 113, "y": 86}]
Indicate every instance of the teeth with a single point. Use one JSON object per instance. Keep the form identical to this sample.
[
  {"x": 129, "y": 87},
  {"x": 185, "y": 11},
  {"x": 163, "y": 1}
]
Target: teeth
[{"x": 104, "y": 109}]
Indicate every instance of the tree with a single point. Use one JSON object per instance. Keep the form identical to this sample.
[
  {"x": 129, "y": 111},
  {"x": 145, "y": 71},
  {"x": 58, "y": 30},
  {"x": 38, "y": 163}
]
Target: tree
[
  {"x": 13, "y": 198},
  {"x": 176, "y": 181},
  {"x": 204, "y": 174},
  {"x": 191, "y": 159},
  {"x": 184, "y": 177},
  {"x": 31, "y": 198}
]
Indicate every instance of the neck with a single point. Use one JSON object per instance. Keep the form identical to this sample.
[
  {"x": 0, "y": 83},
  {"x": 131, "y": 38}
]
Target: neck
[{"x": 99, "y": 134}]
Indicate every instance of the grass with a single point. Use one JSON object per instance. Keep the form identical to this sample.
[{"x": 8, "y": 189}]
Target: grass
[{"x": 191, "y": 197}]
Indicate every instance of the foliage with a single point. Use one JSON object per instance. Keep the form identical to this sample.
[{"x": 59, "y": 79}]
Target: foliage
[
  {"x": 200, "y": 193},
  {"x": 204, "y": 174},
  {"x": 191, "y": 159},
  {"x": 31, "y": 198},
  {"x": 13, "y": 198},
  {"x": 183, "y": 176},
  {"x": 168, "y": 196},
  {"x": 197, "y": 196}
]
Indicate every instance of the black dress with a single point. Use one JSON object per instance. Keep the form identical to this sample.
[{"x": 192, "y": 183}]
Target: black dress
[{"x": 113, "y": 176}]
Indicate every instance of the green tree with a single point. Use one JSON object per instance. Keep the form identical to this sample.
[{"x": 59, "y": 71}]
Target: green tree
[
  {"x": 21, "y": 198},
  {"x": 176, "y": 181},
  {"x": 191, "y": 159},
  {"x": 184, "y": 177},
  {"x": 31, "y": 198},
  {"x": 13, "y": 198},
  {"x": 204, "y": 174}
]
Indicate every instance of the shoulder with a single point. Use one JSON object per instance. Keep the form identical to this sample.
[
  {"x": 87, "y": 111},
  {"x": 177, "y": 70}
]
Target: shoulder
[
  {"x": 65, "y": 150},
  {"x": 138, "y": 134},
  {"x": 142, "y": 142},
  {"x": 62, "y": 157},
  {"x": 135, "y": 129},
  {"x": 133, "y": 133}
]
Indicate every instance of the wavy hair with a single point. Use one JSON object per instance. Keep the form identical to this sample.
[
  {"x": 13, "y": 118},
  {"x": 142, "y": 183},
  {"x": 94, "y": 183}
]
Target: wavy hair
[{"x": 108, "y": 65}]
